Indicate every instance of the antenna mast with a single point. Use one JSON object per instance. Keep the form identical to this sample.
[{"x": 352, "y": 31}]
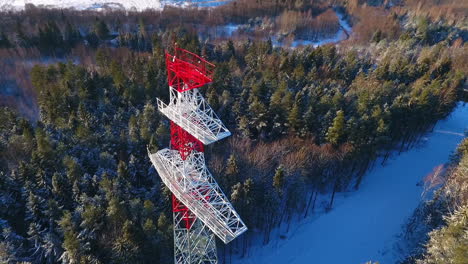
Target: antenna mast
[{"x": 200, "y": 208}]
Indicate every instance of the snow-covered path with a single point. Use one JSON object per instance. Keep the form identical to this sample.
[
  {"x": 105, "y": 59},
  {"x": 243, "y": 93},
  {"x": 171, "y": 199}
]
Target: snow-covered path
[{"x": 364, "y": 225}]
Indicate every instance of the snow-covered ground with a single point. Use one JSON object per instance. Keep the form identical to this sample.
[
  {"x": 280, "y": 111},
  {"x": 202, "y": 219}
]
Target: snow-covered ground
[
  {"x": 342, "y": 34},
  {"x": 116, "y": 4},
  {"x": 364, "y": 225}
]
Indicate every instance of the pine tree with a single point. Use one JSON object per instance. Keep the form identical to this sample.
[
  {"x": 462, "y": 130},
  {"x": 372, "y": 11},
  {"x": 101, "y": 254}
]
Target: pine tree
[
  {"x": 116, "y": 213},
  {"x": 35, "y": 208},
  {"x": 212, "y": 98},
  {"x": 50, "y": 38},
  {"x": 278, "y": 179},
  {"x": 118, "y": 75},
  {"x": 36, "y": 237},
  {"x": 73, "y": 169},
  {"x": 149, "y": 227},
  {"x": 92, "y": 219},
  {"x": 126, "y": 248},
  {"x": 11, "y": 250},
  {"x": 151, "y": 81},
  {"x": 310, "y": 119},
  {"x": 71, "y": 36},
  {"x": 163, "y": 224},
  {"x": 133, "y": 129},
  {"x": 449, "y": 244},
  {"x": 103, "y": 59},
  {"x": 243, "y": 126},
  {"x": 232, "y": 170},
  {"x": 162, "y": 134},
  {"x": 71, "y": 242},
  {"x": 149, "y": 209},
  {"x": 44, "y": 145},
  {"x": 4, "y": 42},
  {"x": 294, "y": 118},
  {"x": 101, "y": 29},
  {"x": 60, "y": 187},
  {"x": 259, "y": 118},
  {"x": 122, "y": 170},
  {"x": 336, "y": 132},
  {"x": 237, "y": 194}
]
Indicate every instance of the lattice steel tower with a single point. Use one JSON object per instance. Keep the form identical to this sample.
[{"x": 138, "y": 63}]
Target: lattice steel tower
[{"x": 200, "y": 208}]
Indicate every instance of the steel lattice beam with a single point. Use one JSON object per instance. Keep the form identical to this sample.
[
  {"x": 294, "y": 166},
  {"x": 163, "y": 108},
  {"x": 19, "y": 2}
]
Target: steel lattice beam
[
  {"x": 184, "y": 142},
  {"x": 190, "y": 111},
  {"x": 191, "y": 182},
  {"x": 193, "y": 241}
]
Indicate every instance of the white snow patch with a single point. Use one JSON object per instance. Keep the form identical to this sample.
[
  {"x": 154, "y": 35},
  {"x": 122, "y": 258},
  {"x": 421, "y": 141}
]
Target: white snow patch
[
  {"x": 83, "y": 4},
  {"x": 364, "y": 225},
  {"x": 99, "y": 5},
  {"x": 342, "y": 34}
]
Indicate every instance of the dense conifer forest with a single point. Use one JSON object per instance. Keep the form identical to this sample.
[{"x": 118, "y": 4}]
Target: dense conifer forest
[{"x": 76, "y": 184}]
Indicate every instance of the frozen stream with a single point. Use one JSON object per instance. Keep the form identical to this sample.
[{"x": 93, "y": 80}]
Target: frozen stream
[{"x": 364, "y": 225}]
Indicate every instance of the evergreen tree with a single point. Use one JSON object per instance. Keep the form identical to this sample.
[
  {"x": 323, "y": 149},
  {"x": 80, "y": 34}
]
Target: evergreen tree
[
  {"x": 60, "y": 187},
  {"x": 71, "y": 242},
  {"x": 118, "y": 75},
  {"x": 44, "y": 145},
  {"x": 162, "y": 134},
  {"x": 278, "y": 179},
  {"x": 133, "y": 129},
  {"x": 4, "y": 42},
  {"x": 232, "y": 169},
  {"x": 336, "y": 132},
  {"x": 36, "y": 234},
  {"x": 101, "y": 30},
  {"x": 103, "y": 58},
  {"x": 294, "y": 118},
  {"x": 116, "y": 213},
  {"x": 449, "y": 244},
  {"x": 71, "y": 35},
  {"x": 259, "y": 114},
  {"x": 126, "y": 248},
  {"x": 50, "y": 39},
  {"x": 73, "y": 169},
  {"x": 122, "y": 170}
]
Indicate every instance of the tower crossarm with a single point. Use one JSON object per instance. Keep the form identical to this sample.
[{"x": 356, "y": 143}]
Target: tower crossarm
[
  {"x": 191, "y": 182},
  {"x": 190, "y": 111}
]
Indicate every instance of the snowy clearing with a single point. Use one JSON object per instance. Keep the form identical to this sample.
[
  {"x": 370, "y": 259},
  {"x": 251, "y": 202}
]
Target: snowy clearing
[
  {"x": 364, "y": 225},
  {"x": 345, "y": 31},
  {"x": 113, "y": 4}
]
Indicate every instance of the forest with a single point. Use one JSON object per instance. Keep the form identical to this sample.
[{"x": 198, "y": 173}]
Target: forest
[
  {"x": 76, "y": 184},
  {"x": 438, "y": 227}
]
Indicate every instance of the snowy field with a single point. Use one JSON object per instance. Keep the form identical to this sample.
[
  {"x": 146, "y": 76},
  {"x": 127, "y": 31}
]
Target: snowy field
[
  {"x": 116, "y": 4},
  {"x": 364, "y": 225}
]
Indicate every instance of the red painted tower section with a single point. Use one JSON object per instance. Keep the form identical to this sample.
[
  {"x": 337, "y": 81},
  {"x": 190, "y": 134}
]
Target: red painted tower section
[{"x": 186, "y": 71}]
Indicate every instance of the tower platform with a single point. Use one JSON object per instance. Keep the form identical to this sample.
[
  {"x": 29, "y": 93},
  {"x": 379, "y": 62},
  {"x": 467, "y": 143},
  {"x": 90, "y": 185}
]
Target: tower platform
[
  {"x": 193, "y": 185},
  {"x": 190, "y": 111}
]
